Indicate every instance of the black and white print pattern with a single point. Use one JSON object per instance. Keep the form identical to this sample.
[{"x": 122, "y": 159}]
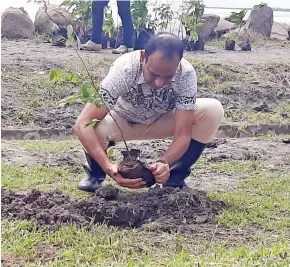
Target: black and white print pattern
[{"x": 138, "y": 102}]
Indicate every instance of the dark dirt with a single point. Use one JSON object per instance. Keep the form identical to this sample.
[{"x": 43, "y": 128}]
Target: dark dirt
[
  {"x": 172, "y": 209},
  {"x": 132, "y": 167}
]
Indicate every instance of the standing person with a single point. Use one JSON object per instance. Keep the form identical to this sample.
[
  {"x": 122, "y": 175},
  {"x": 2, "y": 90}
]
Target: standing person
[
  {"x": 151, "y": 94},
  {"x": 95, "y": 44}
]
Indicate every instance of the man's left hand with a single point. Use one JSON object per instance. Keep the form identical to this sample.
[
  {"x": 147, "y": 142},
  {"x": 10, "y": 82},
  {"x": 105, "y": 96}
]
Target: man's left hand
[{"x": 160, "y": 171}]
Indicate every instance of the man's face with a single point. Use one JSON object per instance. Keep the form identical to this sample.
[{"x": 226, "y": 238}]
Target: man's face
[{"x": 159, "y": 71}]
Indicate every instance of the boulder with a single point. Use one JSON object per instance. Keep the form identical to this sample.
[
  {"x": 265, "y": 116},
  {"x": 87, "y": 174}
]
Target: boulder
[
  {"x": 260, "y": 21},
  {"x": 44, "y": 24},
  {"x": 16, "y": 24},
  {"x": 280, "y": 31},
  {"x": 209, "y": 23},
  {"x": 224, "y": 26}
]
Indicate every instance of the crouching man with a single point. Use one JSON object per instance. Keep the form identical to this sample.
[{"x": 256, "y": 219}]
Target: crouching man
[{"x": 151, "y": 94}]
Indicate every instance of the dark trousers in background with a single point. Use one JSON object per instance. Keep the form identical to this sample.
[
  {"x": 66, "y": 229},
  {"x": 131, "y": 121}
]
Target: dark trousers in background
[{"x": 125, "y": 15}]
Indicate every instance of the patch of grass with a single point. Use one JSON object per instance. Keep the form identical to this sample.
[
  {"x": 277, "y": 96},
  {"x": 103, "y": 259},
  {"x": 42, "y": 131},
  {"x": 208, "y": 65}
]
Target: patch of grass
[
  {"x": 236, "y": 115},
  {"x": 44, "y": 178},
  {"x": 270, "y": 43},
  {"x": 23, "y": 116},
  {"x": 274, "y": 72},
  {"x": 238, "y": 166},
  {"x": 33, "y": 90},
  {"x": 205, "y": 79},
  {"x": 210, "y": 74},
  {"x": 52, "y": 146},
  {"x": 272, "y": 136},
  {"x": 20, "y": 238},
  {"x": 216, "y": 43},
  {"x": 223, "y": 87},
  {"x": 262, "y": 199},
  {"x": 35, "y": 103},
  {"x": 40, "y": 86},
  {"x": 284, "y": 110},
  {"x": 109, "y": 246},
  {"x": 98, "y": 67}
]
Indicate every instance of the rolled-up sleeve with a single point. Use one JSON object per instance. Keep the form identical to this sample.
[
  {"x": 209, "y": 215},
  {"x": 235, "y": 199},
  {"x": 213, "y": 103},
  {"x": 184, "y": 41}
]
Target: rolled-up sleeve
[{"x": 187, "y": 88}]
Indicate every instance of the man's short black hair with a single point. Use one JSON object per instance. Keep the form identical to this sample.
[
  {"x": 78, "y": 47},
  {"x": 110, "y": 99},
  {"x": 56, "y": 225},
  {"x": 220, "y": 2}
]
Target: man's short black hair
[{"x": 165, "y": 42}]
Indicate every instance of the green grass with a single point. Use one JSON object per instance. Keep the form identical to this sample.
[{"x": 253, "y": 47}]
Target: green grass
[
  {"x": 252, "y": 231},
  {"x": 223, "y": 87},
  {"x": 281, "y": 115},
  {"x": 237, "y": 167},
  {"x": 211, "y": 74},
  {"x": 52, "y": 146},
  {"x": 42, "y": 177},
  {"x": 260, "y": 201},
  {"x": 262, "y": 197},
  {"x": 216, "y": 43},
  {"x": 35, "y": 88},
  {"x": 109, "y": 246}
]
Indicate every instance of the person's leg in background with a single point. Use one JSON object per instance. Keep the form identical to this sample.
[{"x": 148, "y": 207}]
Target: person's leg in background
[
  {"x": 95, "y": 44},
  {"x": 125, "y": 15}
]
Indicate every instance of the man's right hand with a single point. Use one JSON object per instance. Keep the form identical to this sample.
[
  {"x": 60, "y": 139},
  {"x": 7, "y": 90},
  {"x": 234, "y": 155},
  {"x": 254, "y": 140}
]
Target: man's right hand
[{"x": 113, "y": 172}]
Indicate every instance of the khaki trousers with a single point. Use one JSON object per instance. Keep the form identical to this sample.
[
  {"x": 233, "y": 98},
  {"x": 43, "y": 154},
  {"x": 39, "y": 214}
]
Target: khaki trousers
[{"x": 207, "y": 119}]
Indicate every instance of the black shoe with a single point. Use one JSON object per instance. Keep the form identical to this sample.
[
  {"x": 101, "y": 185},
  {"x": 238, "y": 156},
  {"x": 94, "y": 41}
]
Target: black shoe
[
  {"x": 94, "y": 176},
  {"x": 180, "y": 170}
]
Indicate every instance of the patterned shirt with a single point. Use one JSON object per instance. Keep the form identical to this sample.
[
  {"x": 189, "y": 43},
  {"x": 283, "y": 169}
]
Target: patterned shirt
[{"x": 125, "y": 90}]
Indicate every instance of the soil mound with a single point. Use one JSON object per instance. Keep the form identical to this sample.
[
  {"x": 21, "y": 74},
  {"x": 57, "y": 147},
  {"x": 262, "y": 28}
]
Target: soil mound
[{"x": 166, "y": 206}]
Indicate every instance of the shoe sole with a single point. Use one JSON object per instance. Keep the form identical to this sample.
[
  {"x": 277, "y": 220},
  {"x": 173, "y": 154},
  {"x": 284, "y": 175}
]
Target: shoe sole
[
  {"x": 91, "y": 50},
  {"x": 117, "y": 52},
  {"x": 87, "y": 189}
]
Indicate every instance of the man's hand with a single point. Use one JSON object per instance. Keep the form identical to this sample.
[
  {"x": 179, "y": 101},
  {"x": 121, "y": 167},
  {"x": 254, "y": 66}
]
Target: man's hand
[
  {"x": 131, "y": 183},
  {"x": 160, "y": 171}
]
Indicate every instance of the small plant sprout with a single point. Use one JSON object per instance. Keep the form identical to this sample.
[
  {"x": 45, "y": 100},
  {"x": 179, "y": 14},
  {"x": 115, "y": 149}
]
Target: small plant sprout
[
  {"x": 110, "y": 152},
  {"x": 55, "y": 75},
  {"x": 60, "y": 76}
]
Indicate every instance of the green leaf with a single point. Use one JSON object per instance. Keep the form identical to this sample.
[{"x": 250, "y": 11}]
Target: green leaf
[
  {"x": 70, "y": 76},
  {"x": 69, "y": 99},
  {"x": 110, "y": 152},
  {"x": 84, "y": 90},
  {"x": 52, "y": 75},
  {"x": 55, "y": 75},
  {"x": 93, "y": 123},
  {"x": 193, "y": 36},
  {"x": 92, "y": 91}
]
